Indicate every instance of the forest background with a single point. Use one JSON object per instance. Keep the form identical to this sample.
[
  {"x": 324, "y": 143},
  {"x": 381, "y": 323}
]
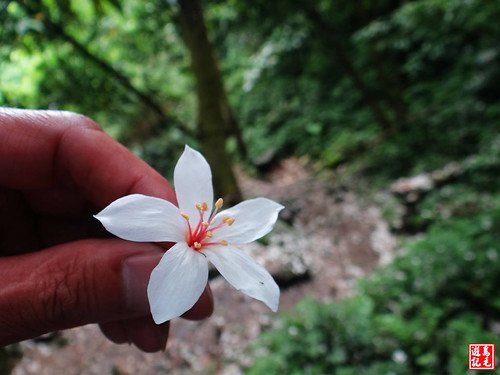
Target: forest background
[{"x": 375, "y": 90}]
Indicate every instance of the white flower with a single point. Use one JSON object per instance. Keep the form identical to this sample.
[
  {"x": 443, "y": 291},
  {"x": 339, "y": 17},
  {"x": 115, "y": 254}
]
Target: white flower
[{"x": 201, "y": 234}]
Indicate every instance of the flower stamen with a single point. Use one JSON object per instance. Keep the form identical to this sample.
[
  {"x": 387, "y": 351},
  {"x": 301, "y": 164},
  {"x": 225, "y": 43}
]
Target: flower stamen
[
  {"x": 204, "y": 229},
  {"x": 190, "y": 232},
  {"x": 220, "y": 242},
  {"x": 219, "y": 203},
  {"x": 203, "y": 207},
  {"x": 228, "y": 220}
]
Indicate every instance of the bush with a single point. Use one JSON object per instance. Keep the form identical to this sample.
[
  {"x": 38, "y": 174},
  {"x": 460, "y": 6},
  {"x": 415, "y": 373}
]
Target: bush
[{"x": 415, "y": 316}]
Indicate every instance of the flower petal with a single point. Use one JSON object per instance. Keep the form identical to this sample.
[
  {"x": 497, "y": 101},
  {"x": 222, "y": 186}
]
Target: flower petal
[
  {"x": 242, "y": 272},
  {"x": 253, "y": 219},
  {"x": 141, "y": 218},
  {"x": 193, "y": 182},
  {"x": 176, "y": 282}
]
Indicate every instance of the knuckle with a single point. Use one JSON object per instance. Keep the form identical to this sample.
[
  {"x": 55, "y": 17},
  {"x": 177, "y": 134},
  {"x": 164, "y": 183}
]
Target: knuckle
[{"x": 64, "y": 294}]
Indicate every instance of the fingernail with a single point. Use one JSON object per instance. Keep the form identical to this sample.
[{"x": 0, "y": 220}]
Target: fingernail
[
  {"x": 153, "y": 340},
  {"x": 136, "y": 272}
]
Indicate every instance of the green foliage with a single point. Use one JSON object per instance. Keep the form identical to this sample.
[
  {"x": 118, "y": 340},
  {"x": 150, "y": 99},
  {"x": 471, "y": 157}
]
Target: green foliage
[
  {"x": 126, "y": 46},
  {"x": 415, "y": 316},
  {"x": 446, "y": 71},
  {"x": 474, "y": 191},
  {"x": 315, "y": 339},
  {"x": 430, "y": 66},
  {"x": 9, "y": 355},
  {"x": 418, "y": 314},
  {"x": 90, "y": 56}
]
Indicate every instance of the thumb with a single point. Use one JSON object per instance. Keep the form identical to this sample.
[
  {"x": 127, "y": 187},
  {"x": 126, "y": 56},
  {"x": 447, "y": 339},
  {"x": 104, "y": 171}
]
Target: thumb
[{"x": 88, "y": 281}]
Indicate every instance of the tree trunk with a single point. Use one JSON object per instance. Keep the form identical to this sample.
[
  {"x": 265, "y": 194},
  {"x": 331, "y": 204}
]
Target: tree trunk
[{"x": 215, "y": 118}]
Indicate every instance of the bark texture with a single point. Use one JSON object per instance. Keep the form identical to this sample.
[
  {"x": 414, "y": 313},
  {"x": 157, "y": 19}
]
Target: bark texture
[{"x": 215, "y": 117}]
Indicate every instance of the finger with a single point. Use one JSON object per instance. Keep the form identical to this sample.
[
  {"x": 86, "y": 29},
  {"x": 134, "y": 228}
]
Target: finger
[
  {"x": 146, "y": 335},
  {"x": 74, "y": 284},
  {"x": 142, "y": 332},
  {"x": 203, "y": 308},
  {"x": 115, "y": 331},
  {"x": 23, "y": 231},
  {"x": 16, "y": 224},
  {"x": 41, "y": 149}
]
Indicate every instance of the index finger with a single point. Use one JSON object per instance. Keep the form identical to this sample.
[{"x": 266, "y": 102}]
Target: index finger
[{"x": 41, "y": 149}]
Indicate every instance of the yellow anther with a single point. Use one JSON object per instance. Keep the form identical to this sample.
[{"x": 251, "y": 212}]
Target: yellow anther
[
  {"x": 198, "y": 206},
  {"x": 204, "y": 206},
  {"x": 205, "y": 224},
  {"x": 228, "y": 220},
  {"x": 219, "y": 203},
  {"x": 185, "y": 215},
  {"x": 197, "y": 245},
  {"x": 209, "y": 234},
  {"x": 223, "y": 242}
]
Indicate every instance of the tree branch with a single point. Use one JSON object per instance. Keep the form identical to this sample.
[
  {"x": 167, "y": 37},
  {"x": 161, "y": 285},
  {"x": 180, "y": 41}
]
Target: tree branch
[{"x": 58, "y": 31}]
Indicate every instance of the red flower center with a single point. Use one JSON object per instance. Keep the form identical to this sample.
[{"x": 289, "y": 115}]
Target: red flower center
[{"x": 199, "y": 236}]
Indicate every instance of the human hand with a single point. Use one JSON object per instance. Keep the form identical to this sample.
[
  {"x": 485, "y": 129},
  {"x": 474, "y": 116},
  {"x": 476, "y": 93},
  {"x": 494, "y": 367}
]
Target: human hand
[{"x": 57, "y": 269}]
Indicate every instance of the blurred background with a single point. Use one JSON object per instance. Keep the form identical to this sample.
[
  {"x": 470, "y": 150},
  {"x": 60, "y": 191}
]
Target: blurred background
[{"x": 375, "y": 122}]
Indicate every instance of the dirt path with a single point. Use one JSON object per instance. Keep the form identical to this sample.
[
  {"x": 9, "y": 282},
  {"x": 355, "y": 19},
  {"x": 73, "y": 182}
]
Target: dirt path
[{"x": 329, "y": 237}]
